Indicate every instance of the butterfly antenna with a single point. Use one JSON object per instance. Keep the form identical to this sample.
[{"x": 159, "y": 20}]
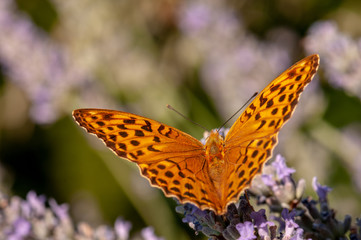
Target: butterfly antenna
[
  {"x": 195, "y": 123},
  {"x": 253, "y": 96}
]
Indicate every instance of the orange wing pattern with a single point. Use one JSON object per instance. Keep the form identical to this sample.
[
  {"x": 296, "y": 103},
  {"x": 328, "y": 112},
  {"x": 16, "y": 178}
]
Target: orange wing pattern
[
  {"x": 251, "y": 139},
  {"x": 214, "y": 175},
  {"x": 170, "y": 159}
]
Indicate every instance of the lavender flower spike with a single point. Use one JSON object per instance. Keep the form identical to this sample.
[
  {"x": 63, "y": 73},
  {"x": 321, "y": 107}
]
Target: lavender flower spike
[
  {"x": 292, "y": 229},
  {"x": 260, "y": 221},
  {"x": 32, "y": 219}
]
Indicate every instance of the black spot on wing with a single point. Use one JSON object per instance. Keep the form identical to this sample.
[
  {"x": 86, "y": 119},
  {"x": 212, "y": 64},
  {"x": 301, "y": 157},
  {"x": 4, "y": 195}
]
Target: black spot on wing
[
  {"x": 129, "y": 121},
  {"x": 134, "y": 142},
  {"x": 254, "y": 154},
  {"x": 274, "y": 88},
  {"x": 122, "y": 146},
  {"x": 121, "y": 153},
  {"x": 161, "y": 166},
  {"x": 107, "y": 116},
  {"x": 133, "y": 156},
  {"x": 252, "y": 106},
  {"x": 154, "y": 171},
  {"x": 282, "y": 98},
  {"x": 282, "y": 90},
  {"x": 140, "y": 153},
  {"x": 263, "y": 122},
  {"x": 169, "y": 174},
  {"x": 188, "y": 186},
  {"x": 272, "y": 123},
  {"x": 230, "y": 193},
  {"x": 163, "y": 182},
  {"x": 160, "y": 129},
  {"x": 292, "y": 73},
  {"x": 241, "y": 182},
  {"x": 189, "y": 194},
  {"x": 181, "y": 174},
  {"x": 123, "y": 134},
  {"x": 262, "y": 100},
  {"x": 152, "y": 149},
  {"x": 121, "y": 126},
  {"x": 147, "y": 127},
  {"x": 139, "y": 133},
  {"x": 175, "y": 189},
  {"x": 100, "y": 123},
  {"x": 270, "y": 103},
  {"x": 274, "y": 111}
]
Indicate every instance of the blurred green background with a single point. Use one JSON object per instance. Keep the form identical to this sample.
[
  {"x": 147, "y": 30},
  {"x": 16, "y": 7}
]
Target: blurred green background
[{"x": 205, "y": 58}]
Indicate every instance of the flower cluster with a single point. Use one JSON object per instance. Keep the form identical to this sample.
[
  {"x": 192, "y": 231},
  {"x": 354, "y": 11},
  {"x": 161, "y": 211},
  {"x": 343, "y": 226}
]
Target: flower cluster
[
  {"x": 340, "y": 54},
  {"x": 276, "y": 187},
  {"x": 41, "y": 67},
  {"x": 31, "y": 219},
  {"x": 237, "y": 60},
  {"x": 84, "y": 66},
  {"x": 291, "y": 216}
]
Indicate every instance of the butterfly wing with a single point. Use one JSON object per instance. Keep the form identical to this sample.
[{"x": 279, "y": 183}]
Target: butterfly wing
[
  {"x": 251, "y": 139},
  {"x": 170, "y": 159}
]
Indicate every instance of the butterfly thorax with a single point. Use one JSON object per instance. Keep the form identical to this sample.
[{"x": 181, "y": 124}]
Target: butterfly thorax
[{"x": 215, "y": 158}]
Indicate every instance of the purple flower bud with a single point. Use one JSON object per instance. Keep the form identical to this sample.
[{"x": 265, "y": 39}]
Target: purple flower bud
[
  {"x": 261, "y": 223},
  {"x": 246, "y": 230},
  {"x": 25, "y": 209},
  {"x": 122, "y": 228},
  {"x": 320, "y": 190},
  {"x": 36, "y": 203},
  {"x": 268, "y": 180},
  {"x": 291, "y": 228},
  {"x": 298, "y": 235},
  {"x": 288, "y": 216},
  {"x": 281, "y": 168},
  {"x": 104, "y": 232},
  {"x": 21, "y": 228},
  {"x": 61, "y": 211},
  {"x": 148, "y": 234}
]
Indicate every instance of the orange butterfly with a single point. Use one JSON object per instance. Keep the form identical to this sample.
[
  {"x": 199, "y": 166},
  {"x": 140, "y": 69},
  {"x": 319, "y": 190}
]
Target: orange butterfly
[{"x": 213, "y": 175}]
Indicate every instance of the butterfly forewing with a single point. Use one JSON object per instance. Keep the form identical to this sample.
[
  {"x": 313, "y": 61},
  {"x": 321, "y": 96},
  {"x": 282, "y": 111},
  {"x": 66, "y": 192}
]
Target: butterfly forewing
[
  {"x": 251, "y": 139},
  {"x": 168, "y": 158}
]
